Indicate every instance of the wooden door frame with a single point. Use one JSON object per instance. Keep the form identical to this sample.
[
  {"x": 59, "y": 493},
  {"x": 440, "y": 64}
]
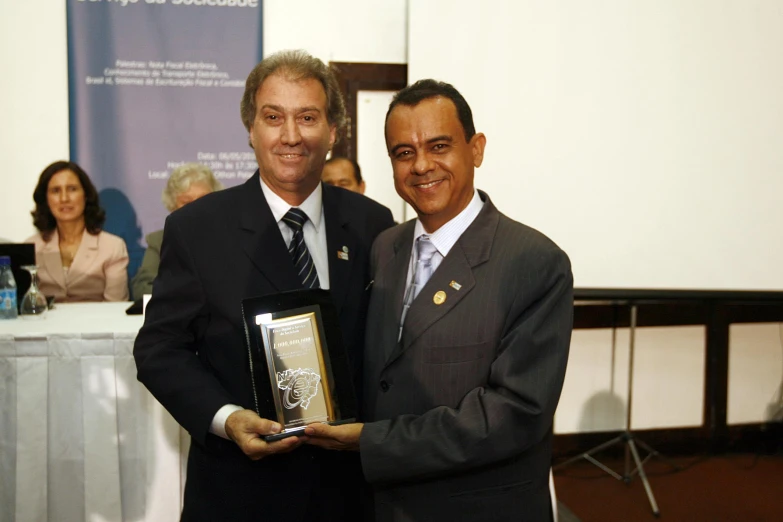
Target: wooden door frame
[{"x": 354, "y": 77}]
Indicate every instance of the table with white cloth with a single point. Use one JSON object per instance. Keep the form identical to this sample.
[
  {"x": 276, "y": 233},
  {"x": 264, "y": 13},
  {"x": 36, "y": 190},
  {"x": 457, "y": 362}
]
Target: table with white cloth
[{"x": 80, "y": 437}]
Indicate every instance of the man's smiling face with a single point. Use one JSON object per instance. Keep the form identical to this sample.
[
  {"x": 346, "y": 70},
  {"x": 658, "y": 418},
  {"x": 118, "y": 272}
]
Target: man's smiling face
[
  {"x": 291, "y": 135},
  {"x": 433, "y": 163}
]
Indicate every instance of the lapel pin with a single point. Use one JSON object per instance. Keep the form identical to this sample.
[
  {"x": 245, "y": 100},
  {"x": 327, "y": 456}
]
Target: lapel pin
[
  {"x": 345, "y": 249},
  {"x": 342, "y": 254},
  {"x": 455, "y": 285},
  {"x": 439, "y": 298}
]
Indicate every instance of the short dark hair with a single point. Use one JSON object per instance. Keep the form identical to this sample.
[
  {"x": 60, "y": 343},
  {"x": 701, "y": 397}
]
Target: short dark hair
[
  {"x": 422, "y": 90},
  {"x": 357, "y": 172},
  {"x": 43, "y": 219}
]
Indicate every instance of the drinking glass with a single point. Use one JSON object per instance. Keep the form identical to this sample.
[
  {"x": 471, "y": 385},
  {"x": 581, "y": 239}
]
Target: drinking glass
[{"x": 34, "y": 302}]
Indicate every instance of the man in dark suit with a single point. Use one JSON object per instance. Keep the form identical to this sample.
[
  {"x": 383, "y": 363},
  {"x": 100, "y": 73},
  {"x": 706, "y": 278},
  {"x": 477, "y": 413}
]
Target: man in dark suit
[
  {"x": 238, "y": 243},
  {"x": 467, "y": 338}
]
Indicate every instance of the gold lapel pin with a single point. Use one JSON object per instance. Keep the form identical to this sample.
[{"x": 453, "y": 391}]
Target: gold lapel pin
[
  {"x": 455, "y": 285},
  {"x": 439, "y": 298}
]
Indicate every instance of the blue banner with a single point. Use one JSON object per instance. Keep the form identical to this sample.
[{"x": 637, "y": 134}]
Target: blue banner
[{"x": 154, "y": 84}]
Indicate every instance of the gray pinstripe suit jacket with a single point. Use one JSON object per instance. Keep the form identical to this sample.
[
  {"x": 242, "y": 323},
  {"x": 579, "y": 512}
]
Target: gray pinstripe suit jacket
[{"x": 460, "y": 410}]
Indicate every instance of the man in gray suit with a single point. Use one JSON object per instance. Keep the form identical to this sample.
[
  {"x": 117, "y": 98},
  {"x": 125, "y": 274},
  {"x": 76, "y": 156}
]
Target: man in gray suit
[{"x": 467, "y": 338}]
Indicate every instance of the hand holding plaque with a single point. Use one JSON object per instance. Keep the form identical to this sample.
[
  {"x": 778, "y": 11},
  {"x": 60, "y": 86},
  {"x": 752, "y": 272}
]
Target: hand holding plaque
[
  {"x": 247, "y": 430},
  {"x": 298, "y": 365},
  {"x": 344, "y": 437}
]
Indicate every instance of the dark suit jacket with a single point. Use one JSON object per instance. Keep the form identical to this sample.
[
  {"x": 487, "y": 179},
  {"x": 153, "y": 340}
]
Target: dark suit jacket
[
  {"x": 142, "y": 281},
  {"x": 463, "y": 405},
  {"x": 191, "y": 352}
]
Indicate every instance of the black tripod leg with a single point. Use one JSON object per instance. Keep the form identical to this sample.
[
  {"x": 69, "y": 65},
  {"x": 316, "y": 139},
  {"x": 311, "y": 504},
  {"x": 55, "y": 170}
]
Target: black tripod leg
[
  {"x": 590, "y": 452},
  {"x": 657, "y": 454}
]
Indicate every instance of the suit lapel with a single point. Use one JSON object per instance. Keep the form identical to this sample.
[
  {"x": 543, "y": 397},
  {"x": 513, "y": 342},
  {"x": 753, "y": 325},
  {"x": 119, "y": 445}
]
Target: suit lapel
[
  {"x": 262, "y": 241},
  {"x": 50, "y": 260},
  {"x": 473, "y": 248},
  {"x": 84, "y": 258},
  {"x": 390, "y": 277},
  {"x": 341, "y": 245},
  {"x": 424, "y": 312}
]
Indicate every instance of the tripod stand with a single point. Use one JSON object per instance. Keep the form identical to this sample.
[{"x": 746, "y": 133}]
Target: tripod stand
[{"x": 626, "y": 437}]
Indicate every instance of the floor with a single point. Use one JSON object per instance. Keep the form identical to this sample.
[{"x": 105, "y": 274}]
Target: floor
[{"x": 741, "y": 487}]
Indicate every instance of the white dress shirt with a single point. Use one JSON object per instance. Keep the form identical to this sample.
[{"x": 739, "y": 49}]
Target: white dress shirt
[
  {"x": 314, "y": 229},
  {"x": 314, "y": 232},
  {"x": 446, "y": 236}
]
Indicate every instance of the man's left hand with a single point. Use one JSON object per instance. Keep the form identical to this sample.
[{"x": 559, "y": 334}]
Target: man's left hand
[{"x": 343, "y": 437}]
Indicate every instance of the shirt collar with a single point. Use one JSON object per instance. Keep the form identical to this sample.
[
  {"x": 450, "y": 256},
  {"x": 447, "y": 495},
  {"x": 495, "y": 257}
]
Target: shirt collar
[
  {"x": 311, "y": 206},
  {"x": 447, "y": 235}
]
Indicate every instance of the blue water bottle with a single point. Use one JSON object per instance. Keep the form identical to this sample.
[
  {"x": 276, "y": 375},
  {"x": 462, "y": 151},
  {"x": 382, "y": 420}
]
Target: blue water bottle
[{"x": 8, "y": 309}]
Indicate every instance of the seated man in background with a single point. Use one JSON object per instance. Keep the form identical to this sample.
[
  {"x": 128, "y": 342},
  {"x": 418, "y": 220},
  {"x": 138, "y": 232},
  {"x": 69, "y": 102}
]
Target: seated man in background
[
  {"x": 345, "y": 173},
  {"x": 187, "y": 183}
]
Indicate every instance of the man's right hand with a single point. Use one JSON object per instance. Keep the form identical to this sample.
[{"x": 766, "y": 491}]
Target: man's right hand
[{"x": 246, "y": 428}]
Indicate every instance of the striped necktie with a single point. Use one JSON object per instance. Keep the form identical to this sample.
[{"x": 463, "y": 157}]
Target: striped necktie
[{"x": 295, "y": 218}]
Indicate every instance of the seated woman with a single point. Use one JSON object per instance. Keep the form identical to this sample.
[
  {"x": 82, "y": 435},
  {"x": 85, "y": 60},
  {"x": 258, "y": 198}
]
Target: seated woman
[
  {"x": 77, "y": 261},
  {"x": 187, "y": 183}
]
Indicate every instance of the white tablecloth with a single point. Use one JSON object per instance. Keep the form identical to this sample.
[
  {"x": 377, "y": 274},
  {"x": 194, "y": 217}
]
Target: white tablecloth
[{"x": 80, "y": 437}]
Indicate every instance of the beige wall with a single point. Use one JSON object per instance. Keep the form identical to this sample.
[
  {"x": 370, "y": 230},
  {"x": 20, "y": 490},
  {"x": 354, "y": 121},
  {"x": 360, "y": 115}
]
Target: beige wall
[{"x": 668, "y": 383}]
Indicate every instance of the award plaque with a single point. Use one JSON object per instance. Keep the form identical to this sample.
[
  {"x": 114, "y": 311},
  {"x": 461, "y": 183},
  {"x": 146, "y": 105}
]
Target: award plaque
[{"x": 300, "y": 372}]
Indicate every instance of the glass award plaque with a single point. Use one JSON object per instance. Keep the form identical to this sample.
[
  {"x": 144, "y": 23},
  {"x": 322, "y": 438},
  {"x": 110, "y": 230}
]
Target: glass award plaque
[{"x": 300, "y": 372}]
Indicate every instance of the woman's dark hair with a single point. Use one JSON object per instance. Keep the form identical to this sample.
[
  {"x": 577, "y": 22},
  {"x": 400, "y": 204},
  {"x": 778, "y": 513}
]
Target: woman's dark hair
[{"x": 43, "y": 219}]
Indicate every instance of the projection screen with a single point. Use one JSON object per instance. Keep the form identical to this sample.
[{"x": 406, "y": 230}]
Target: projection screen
[{"x": 644, "y": 137}]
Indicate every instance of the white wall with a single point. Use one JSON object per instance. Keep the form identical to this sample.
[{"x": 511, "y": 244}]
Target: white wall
[
  {"x": 33, "y": 104},
  {"x": 755, "y": 373},
  {"x": 668, "y": 380},
  {"x": 371, "y": 151},
  {"x": 339, "y": 30}
]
